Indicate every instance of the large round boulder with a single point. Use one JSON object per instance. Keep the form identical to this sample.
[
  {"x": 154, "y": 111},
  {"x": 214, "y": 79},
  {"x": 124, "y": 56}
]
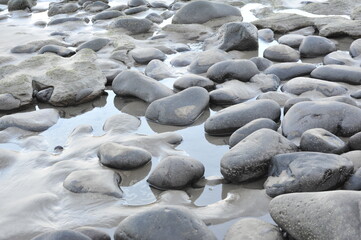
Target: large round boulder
[{"x": 314, "y": 46}]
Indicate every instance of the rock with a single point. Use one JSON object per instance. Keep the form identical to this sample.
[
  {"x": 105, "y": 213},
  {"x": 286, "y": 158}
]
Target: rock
[
  {"x": 338, "y": 73},
  {"x": 321, "y": 140},
  {"x": 287, "y": 71},
  {"x": 105, "y": 15},
  {"x": 265, "y": 82},
  {"x": 354, "y": 182},
  {"x": 132, "y": 25},
  {"x": 279, "y": 97},
  {"x": 300, "y": 214},
  {"x": 266, "y": 35},
  {"x": 104, "y": 182},
  {"x": 8, "y": 102},
  {"x": 340, "y": 58},
  {"x": 355, "y": 48},
  {"x": 338, "y": 118},
  {"x": 181, "y": 47},
  {"x": 239, "y": 36},
  {"x": 302, "y": 85},
  {"x": 250, "y": 158},
  {"x": 135, "y": 10},
  {"x": 176, "y": 172},
  {"x": 59, "y": 50},
  {"x": 228, "y": 120},
  {"x": 292, "y": 40},
  {"x": 36, "y": 121},
  {"x": 356, "y": 94},
  {"x": 121, "y": 123},
  {"x": 50, "y": 70},
  {"x": 261, "y": 63},
  {"x": 61, "y": 234},
  {"x": 180, "y": 109},
  {"x": 127, "y": 84},
  {"x": 183, "y": 59},
  {"x": 306, "y": 172},
  {"x": 341, "y": 99},
  {"x": 192, "y": 80},
  {"x": 71, "y": 20},
  {"x": 281, "y": 53},
  {"x": 241, "y": 70},
  {"x": 314, "y": 46},
  {"x": 14, "y": 5},
  {"x": 44, "y": 95},
  {"x": 204, "y": 11},
  {"x": 34, "y": 46},
  {"x": 159, "y": 4},
  {"x": 306, "y": 31},
  {"x": 292, "y": 101},
  {"x": 356, "y": 12},
  {"x": 145, "y": 55},
  {"x": 136, "y": 3},
  {"x": 206, "y": 59},
  {"x": 175, "y": 221},
  {"x": 122, "y": 157},
  {"x": 96, "y": 6},
  {"x": 123, "y": 56},
  {"x": 95, "y": 44},
  {"x": 81, "y": 2},
  {"x": 187, "y": 32},
  {"x": 355, "y": 157},
  {"x": 354, "y": 141},
  {"x": 337, "y": 27},
  {"x": 284, "y": 22},
  {"x": 158, "y": 70},
  {"x": 93, "y": 234},
  {"x": 154, "y": 17},
  {"x": 61, "y": 8},
  {"x": 250, "y": 128},
  {"x": 232, "y": 92},
  {"x": 253, "y": 229}
]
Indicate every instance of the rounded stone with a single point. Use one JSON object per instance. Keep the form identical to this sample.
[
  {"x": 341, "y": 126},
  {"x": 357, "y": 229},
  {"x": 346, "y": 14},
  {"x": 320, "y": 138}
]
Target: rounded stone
[
  {"x": 193, "y": 80},
  {"x": 281, "y": 53},
  {"x": 355, "y": 48},
  {"x": 145, "y": 55},
  {"x": 314, "y": 46}
]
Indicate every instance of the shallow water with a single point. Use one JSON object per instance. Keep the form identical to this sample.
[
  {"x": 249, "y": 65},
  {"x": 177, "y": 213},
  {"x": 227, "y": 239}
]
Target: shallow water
[{"x": 33, "y": 199}]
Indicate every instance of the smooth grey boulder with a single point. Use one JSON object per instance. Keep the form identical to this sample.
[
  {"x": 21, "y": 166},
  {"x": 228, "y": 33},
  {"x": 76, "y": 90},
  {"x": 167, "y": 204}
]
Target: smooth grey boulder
[
  {"x": 250, "y": 158},
  {"x": 61, "y": 8},
  {"x": 241, "y": 70},
  {"x": 342, "y": 99},
  {"x": 158, "y": 70},
  {"x": 340, "y": 58},
  {"x": 127, "y": 84},
  {"x": 240, "y": 36},
  {"x": 321, "y": 216},
  {"x": 204, "y": 60},
  {"x": 314, "y": 46},
  {"x": 135, "y": 10},
  {"x": 292, "y": 40},
  {"x": 70, "y": 20},
  {"x": 14, "y": 5},
  {"x": 204, "y": 11},
  {"x": 193, "y": 80},
  {"x": 279, "y": 97},
  {"x": 176, "y": 172},
  {"x": 180, "y": 109},
  {"x": 265, "y": 82},
  {"x": 8, "y": 102},
  {"x": 108, "y": 14},
  {"x": 355, "y": 157},
  {"x": 338, "y": 118},
  {"x": 266, "y": 34},
  {"x": 132, "y": 25},
  {"x": 286, "y": 71},
  {"x": 292, "y": 101},
  {"x": 95, "y": 44},
  {"x": 300, "y": 85},
  {"x": 233, "y": 92},
  {"x": 261, "y": 63},
  {"x": 354, "y": 182},
  {"x": 355, "y": 48},
  {"x": 59, "y": 50},
  {"x": 228, "y": 120},
  {"x": 36, "y": 121},
  {"x": 34, "y": 46},
  {"x": 122, "y": 157},
  {"x": 154, "y": 17},
  {"x": 105, "y": 182},
  {"x": 163, "y": 222},
  {"x": 354, "y": 142},
  {"x": 321, "y": 140},
  {"x": 93, "y": 233},
  {"x": 250, "y": 128},
  {"x": 306, "y": 172},
  {"x": 62, "y": 234},
  {"x": 159, "y": 4},
  {"x": 145, "y": 55},
  {"x": 96, "y": 6},
  {"x": 184, "y": 59},
  {"x": 281, "y": 53},
  {"x": 338, "y": 73},
  {"x": 136, "y": 3},
  {"x": 253, "y": 229}
]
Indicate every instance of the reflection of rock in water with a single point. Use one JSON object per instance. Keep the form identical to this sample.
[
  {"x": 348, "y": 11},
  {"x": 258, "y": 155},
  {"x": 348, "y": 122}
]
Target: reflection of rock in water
[{"x": 132, "y": 106}]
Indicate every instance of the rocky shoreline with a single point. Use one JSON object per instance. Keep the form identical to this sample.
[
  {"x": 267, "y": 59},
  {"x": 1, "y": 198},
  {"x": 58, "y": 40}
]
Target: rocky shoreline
[{"x": 229, "y": 120}]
